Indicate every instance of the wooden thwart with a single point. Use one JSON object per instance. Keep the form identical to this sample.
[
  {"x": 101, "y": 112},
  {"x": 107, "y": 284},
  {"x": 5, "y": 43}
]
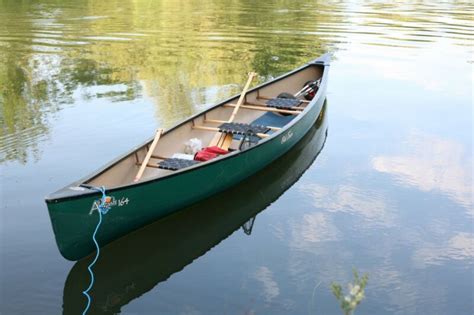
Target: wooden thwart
[
  {"x": 159, "y": 157},
  {"x": 148, "y": 165},
  {"x": 265, "y": 105},
  {"x": 148, "y": 155},
  {"x": 267, "y": 109}
]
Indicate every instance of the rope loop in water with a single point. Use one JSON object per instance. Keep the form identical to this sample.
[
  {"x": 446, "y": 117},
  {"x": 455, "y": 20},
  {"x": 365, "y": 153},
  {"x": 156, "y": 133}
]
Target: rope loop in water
[{"x": 102, "y": 208}]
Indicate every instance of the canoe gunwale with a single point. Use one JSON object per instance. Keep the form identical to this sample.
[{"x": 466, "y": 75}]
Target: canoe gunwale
[{"x": 64, "y": 194}]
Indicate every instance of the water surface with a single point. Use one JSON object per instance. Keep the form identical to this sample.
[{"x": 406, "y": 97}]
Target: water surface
[{"x": 390, "y": 193}]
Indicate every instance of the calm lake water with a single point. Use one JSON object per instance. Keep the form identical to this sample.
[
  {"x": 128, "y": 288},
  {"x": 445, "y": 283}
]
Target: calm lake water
[{"x": 382, "y": 183}]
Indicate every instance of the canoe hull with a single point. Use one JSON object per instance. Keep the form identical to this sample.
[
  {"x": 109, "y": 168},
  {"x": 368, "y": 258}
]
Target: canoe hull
[
  {"x": 144, "y": 258},
  {"x": 134, "y": 206}
]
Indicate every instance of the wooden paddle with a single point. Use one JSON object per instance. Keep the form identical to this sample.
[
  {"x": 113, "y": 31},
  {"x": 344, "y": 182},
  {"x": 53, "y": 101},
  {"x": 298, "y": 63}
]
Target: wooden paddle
[
  {"x": 223, "y": 140},
  {"x": 148, "y": 155}
]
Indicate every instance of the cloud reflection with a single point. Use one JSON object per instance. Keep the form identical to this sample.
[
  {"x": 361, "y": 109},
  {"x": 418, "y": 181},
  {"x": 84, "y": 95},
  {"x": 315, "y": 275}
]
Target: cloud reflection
[
  {"x": 368, "y": 205},
  {"x": 432, "y": 164},
  {"x": 270, "y": 286},
  {"x": 315, "y": 227},
  {"x": 458, "y": 247}
]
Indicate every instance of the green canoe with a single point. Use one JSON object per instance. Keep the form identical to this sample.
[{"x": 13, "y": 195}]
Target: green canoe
[
  {"x": 136, "y": 263},
  {"x": 136, "y": 201}
]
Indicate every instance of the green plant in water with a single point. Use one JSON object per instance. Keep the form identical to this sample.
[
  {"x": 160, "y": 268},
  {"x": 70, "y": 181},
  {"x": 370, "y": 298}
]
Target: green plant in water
[{"x": 356, "y": 293}]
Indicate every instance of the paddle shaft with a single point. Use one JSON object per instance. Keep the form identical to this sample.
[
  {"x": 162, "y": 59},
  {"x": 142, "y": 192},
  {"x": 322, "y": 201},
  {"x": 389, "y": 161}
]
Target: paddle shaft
[
  {"x": 242, "y": 96},
  {"x": 223, "y": 140},
  {"x": 148, "y": 155}
]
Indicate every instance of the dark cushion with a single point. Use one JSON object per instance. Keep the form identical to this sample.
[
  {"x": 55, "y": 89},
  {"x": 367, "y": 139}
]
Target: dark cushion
[
  {"x": 283, "y": 103},
  {"x": 175, "y": 164}
]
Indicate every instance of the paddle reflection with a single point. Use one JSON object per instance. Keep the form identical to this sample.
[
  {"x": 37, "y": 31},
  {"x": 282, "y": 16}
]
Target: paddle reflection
[
  {"x": 248, "y": 226},
  {"x": 133, "y": 265}
]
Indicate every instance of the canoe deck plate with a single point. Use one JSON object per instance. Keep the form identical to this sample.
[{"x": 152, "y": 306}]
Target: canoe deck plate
[
  {"x": 175, "y": 164},
  {"x": 283, "y": 103},
  {"x": 242, "y": 129}
]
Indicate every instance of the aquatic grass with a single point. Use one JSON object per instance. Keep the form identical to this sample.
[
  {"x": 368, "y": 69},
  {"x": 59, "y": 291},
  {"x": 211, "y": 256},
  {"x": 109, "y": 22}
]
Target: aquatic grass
[{"x": 356, "y": 294}]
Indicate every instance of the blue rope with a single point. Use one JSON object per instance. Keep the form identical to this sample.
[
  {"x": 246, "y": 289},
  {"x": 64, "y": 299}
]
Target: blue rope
[{"x": 101, "y": 209}]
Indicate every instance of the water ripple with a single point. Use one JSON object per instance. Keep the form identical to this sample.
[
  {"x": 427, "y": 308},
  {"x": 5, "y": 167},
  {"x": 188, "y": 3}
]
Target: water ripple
[{"x": 128, "y": 44}]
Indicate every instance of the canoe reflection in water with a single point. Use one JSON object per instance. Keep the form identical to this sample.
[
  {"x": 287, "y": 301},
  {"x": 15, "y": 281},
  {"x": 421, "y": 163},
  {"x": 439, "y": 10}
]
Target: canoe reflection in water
[{"x": 134, "y": 264}]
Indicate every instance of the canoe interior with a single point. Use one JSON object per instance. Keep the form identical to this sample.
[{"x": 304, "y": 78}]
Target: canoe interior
[{"x": 173, "y": 141}]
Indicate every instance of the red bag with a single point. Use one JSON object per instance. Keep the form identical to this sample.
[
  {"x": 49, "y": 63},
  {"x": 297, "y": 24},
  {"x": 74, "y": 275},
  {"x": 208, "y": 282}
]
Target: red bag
[
  {"x": 209, "y": 153},
  {"x": 203, "y": 155},
  {"x": 216, "y": 150}
]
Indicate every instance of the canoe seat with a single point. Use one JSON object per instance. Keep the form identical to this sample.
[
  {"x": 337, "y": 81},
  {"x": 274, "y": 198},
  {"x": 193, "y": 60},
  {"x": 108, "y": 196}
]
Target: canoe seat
[
  {"x": 174, "y": 164},
  {"x": 283, "y": 103},
  {"x": 272, "y": 119},
  {"x": 242, "y": 129},
  {"x": 268, "y": 119}
]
